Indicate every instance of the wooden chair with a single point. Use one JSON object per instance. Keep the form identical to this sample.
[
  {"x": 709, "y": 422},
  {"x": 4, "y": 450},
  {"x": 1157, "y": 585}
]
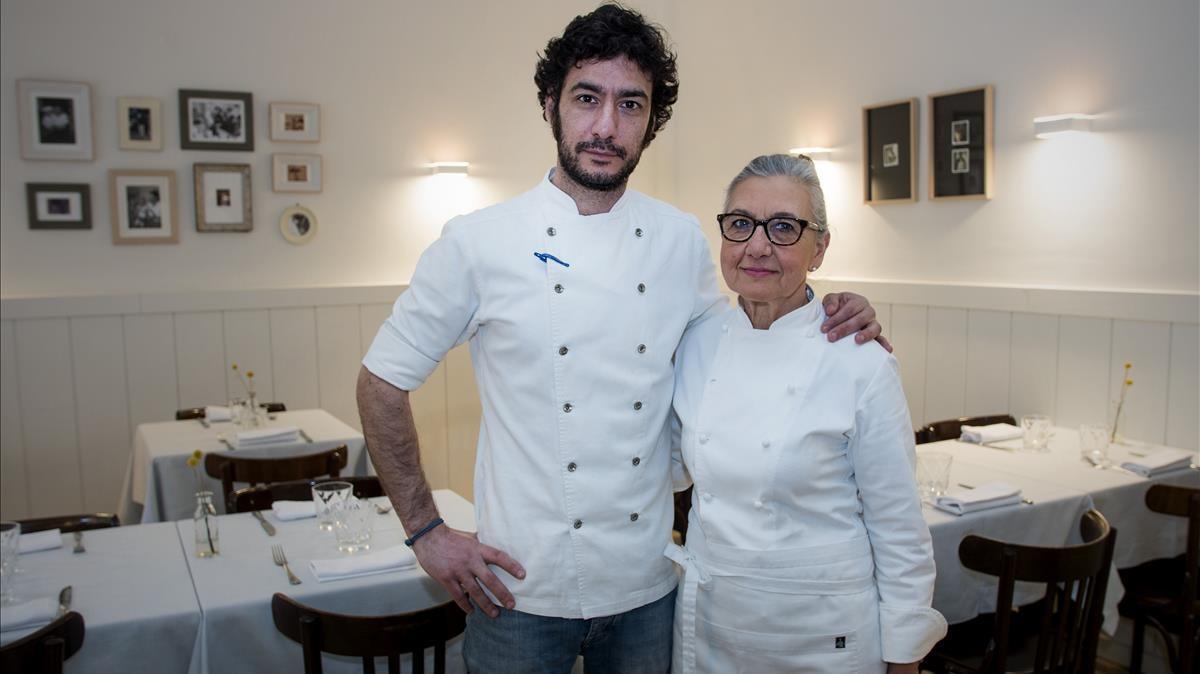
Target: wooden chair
[
  {"x": 44, "y": 651},
  {"x": 272, "y": 408},
  {"x": 261, "y": 497},
  {"x": 70, "y": 523},
  {"x": 1162, "y": 594},
  {"x": 683, "y": 504},
  {"x": 189, "y": 414},
  {"x": 369, "y": 637},
  {"x": 256, "y": 470},
  {"x": 951, "y": 429},
  {"x": 1067, "y": 621}
]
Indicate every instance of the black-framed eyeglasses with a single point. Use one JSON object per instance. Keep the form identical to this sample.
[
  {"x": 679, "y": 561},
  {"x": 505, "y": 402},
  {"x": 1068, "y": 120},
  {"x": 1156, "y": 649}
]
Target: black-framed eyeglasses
[{"x": 739, "y": 227}]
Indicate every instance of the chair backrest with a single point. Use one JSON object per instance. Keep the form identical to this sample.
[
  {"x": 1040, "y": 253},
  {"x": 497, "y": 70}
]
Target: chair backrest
[
  {"x": 70, "y": 523},
  {"x": 229, "y": 468},
  {"x": 1076, "y": 579},
  {"x": 190, "y": 413},
  {"x": 369, "y": 637},
  {"x": 44, "y": 651},
  {"x": 1184, "y": 502},
  {"x": 950, "y": 429},
  {"x": 261, "y": 497},
  {"x": 272, "y": 408}
]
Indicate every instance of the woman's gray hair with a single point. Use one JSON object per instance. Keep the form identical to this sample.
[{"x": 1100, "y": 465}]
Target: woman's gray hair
[{"x": 798, "y": 167}]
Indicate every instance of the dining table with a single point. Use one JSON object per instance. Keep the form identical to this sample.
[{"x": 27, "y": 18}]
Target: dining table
[{"x": 159, "y": 486}]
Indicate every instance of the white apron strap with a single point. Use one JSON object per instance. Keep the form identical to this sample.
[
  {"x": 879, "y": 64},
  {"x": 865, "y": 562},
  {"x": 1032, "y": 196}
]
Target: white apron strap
[{"x": 694, "y": 577}]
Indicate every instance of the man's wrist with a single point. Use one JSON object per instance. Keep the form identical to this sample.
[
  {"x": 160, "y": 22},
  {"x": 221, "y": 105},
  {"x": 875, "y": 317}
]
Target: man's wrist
[{"x": 433, "y": 524}]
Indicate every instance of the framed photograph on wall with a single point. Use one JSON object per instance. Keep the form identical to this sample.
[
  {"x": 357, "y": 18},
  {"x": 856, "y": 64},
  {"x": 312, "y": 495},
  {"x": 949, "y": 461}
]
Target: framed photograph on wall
[
  {"x": 59, "y": 205},
  {"x": 298, "y": 224},
  {"x": 961, "y": 144},
  {"x": 139, "y": 123},
  {"x": 224, "y": 202},
  {"x": 216, "y": 120},
  {"x": 55, "y": 119},
  {"x": 889, "y": 152},
  {"x": 143, "y": 207},
  {"x": 296, "y": 172},
  {"x": 295, "y": 122}
]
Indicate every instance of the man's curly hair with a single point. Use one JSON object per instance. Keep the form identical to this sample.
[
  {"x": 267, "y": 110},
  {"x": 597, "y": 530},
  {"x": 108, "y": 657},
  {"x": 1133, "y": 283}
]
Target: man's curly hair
[{"x": 608, "y": 32}]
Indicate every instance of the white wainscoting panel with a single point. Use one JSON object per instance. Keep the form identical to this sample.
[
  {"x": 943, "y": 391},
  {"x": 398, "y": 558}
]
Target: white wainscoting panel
[
  {"x": 1033, "y": 375},
  {"x": 1183, "y": 391},
  {"x": 248, "y": 343},
  {"x": 1084, "y": 355},
  {"x": 294, "y": 357},
  {"x": 989, "y": 356},
  {"x": 370, "y": 317},
  {"x": 150, "y": 367},
  {"x": 1146, "y": 346},
  {"x": 463, "y": 414},
  {"x": 338, "y": 356},
  {"x": 14, "y": 481},
  {"x": 102, "y": 408},
  {"x": 946, "y": 368},
  {"x": 200, "y": 358},
  {"x": 909, "y": 332}
]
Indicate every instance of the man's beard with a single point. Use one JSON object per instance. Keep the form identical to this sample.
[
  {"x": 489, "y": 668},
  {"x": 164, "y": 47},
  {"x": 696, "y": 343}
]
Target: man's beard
[{"x": 598, "y": 182}]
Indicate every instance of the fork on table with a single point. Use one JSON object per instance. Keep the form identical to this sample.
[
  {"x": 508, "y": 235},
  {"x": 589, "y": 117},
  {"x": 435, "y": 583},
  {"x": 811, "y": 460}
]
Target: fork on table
[{"x": 280, "y": 559}]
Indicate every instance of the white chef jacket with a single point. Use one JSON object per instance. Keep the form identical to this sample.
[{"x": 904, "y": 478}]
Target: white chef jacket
[
  {"x": 572, "y": 321},
  {"x": 806, "y": 548}
]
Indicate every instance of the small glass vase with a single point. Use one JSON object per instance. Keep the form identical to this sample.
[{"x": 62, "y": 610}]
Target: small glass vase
[
  {"x": 1116, "y": 418},
  {"x": 250, "y": 415},
  {"x": 208, "y": 537}
]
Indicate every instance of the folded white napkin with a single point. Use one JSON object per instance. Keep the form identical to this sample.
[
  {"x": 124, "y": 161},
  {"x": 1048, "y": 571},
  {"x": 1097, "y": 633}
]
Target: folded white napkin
[
  {"x": 1155, "y": 463},
  {"x": 218, "y": 413},
  {"x": 42, "y": 540},
  {"x": 391, "y": 559},
  {"x": 32, "y": 613},
  {"x": 990, "y": 433},
  {"x": 293, "y": 510},
  {"x": 961, "y": 500},
  {"x": 266, "y": 436}
]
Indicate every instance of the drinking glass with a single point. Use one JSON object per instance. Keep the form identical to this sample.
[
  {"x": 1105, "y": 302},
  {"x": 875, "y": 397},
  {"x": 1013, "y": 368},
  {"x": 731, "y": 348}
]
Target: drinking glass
[
  {"x": 352, "y": 525},
  {"x": 10, "y": 536},
  {"x": 1036, "y": 428},
  {"x": 933, "y": 474},
  {"x": 325, "y": 496},
  {"x": 1093, "y": 444}
]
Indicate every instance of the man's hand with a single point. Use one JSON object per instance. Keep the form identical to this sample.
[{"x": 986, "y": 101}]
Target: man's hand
[
  {"x": 459, "y": 562},
  {"x": 849, "y": 313}
]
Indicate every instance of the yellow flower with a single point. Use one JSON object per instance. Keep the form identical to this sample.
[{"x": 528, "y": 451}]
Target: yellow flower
[
  {"x": 1128, "y": 365},
  {"x": 197, "y": 455},
  {"x": 250, "y": 374},
  {"x": 1129, "y": 382},
  {"x": 192, "y": 462},
  {"x": 235, "y": 366}
]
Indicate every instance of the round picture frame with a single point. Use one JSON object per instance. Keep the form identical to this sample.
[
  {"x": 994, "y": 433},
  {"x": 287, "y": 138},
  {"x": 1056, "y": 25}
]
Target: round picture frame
[{"x": 298, "y": 224}]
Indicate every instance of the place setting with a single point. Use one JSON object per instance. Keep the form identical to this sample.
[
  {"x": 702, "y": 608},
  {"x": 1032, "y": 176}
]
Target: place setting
[{"x": 25, "y": 609}]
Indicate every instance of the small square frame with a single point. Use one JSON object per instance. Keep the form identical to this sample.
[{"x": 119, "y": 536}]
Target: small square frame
[
  {"x": 45, "y": 201},
  {"x": 296, "y": 172},
  {"x": 890, "y": 152},
  {"x": 295, "y": 122},
  {"x": 139, "y": 124},
  {"x": 298, "y": 224},
  {"x": 55, "y": 120},
  {"x": 951, "y": 141},
  {"x": 224, "y": 200},
  {"x": 161, "y": 219},
  {"x": 205, "y": 122}
]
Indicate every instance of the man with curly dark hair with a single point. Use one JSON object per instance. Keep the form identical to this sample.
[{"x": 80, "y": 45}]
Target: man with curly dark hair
[{"x": 574, "y": 297}]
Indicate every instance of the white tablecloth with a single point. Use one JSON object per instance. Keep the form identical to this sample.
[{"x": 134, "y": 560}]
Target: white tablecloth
[
  {"x": 160, "y": 487},
  {"x": 134, "y": 592},
  {"x": 235, "y": 589}
]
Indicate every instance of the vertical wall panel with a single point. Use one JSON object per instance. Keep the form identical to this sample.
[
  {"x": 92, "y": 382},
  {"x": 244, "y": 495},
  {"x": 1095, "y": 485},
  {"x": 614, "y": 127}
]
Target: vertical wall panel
[
  {"x": 1146, "y": 346},
  {"x": 463, "y": 413},
  {"x": 294, "y": 357},
  {"x": 1183, "y": 398},
  {"x": 988, "y": 353},
  {"x": 200, "y": 359},
  {"x": 338, "y": 346},
  {"x": 370, "y": 317},
  {"x": 248, "y": 343},
  {"x": 1084, "y": 352},
  {"x": 1033, "y": 372},
  {"x": 946, "y": 368},
  {"x": 883, "y": 314},
  {"x": 105, "y": 442},
  {"x": 909, "y": 333},
  {"x": 150, "y": 367},
  {"x": 47, "y": 395},
  {"x": 14, "y": 487}
]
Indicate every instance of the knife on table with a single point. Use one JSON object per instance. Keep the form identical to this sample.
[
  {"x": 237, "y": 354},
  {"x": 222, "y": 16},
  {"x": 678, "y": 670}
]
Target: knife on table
[
  {"x": 64, "y": 602},
  {"x": 267, "y": 526},
  {"x": 305, "y": 436}
]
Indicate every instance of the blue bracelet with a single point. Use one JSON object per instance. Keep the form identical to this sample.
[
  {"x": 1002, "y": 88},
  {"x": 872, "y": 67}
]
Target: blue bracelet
[{"x": 424, "y": 530}]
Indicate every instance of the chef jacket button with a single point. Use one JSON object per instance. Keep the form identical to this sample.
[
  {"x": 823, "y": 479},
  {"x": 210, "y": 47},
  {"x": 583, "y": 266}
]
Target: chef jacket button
[
  {"x": 571, "y": 467},
  {"x": 713, "y": 380},
  {"x": 578, "y": 523},
  {"x": 707, "y": 496},
  {"x": 633, "y": 517},
  {"x": 551, "y": 231},
  {"x": 636, "y": 460},
  {"x": 703, "y": 438},
  {"x": 638, "y": 232},
  {"x": 641, "y": 348},
  {"x": 562, "y": 350},
  {"x": 558, "y": 288},
  {"x": 637, "y": 405},
  {"x": 567, "y": 407},
  {"x": 641, "y": 287},
  {"x": 766, "y": 444},
  {"x": 758, "y": 504}
]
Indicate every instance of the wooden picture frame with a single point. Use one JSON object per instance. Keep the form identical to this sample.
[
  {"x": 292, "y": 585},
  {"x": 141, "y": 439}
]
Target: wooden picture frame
[
  {"x": 298, "y": 224},
  {"x": 55, "y": 120},
  {"x": 59, "y": 205},
  {"x": 296, "y": 172},
  {"x": 143, "y": 205},
  {"x": 216, "y": 120},
  {"x": 295, "y": 122},
  {"x": 890, "y": 152},
  {"x": 224, "y": 200},
  {"x": 139, "y": 124},
  {"x": 962, "y": 144}
]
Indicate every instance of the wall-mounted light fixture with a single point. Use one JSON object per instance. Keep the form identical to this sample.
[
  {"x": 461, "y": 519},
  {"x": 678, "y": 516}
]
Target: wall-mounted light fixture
[
  {"x": 1053, "y": 125},
  {"x": 449, "y": 168},
  {"x": 813, "y": 153}
]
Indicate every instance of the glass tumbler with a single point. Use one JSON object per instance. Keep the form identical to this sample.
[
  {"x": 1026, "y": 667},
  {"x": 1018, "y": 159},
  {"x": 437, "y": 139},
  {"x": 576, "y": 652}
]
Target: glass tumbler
[
  {"x": 325, "y": 496},
  {"x": 10, "y": 537},
  {"x": 933, "y": 474},
  {"x": 352, "y": 525},
  {"x": 1035, "y": 433}
]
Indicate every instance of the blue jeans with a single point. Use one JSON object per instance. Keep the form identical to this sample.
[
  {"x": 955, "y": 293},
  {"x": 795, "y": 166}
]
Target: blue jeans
[{"x": 634, "y": 642}]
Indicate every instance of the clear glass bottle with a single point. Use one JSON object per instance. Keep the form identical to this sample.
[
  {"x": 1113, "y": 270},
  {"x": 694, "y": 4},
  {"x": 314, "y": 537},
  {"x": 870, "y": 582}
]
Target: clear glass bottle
[{"x": 208, "y": 537}]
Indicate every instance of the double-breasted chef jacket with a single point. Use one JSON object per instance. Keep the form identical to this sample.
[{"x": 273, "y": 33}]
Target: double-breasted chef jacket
[
  {"x": 806, "y": 548},
  {"x": 572, "y": 321}
]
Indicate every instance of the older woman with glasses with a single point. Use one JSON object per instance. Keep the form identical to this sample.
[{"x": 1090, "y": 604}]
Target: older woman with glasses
[{"x": 806, "y": 548}]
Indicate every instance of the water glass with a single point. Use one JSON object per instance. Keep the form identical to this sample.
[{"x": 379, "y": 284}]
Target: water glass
[
  {"x": 10, "y": 536},
  {"x": 352, "y": 525},
  {"x": 325, "y": 496},
  {"x": 1093, "y": 444},
  {"x": 933, "y": 474},
  {"x": 1036, "y": 433}
]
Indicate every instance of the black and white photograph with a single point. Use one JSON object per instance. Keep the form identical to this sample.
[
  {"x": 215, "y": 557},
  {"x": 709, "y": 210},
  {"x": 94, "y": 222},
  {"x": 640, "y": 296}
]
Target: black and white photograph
[
  {"x": 891, "y": 155},
  {"x": 296, "y": 172},
  {"x": 301, "y": 224},
  {"x": 55, "y": 120},
  {"x": 298, "y": 224},
  {"x": 59, "y": 205},
  {"x": 960, "y": 132},
  {"x": 960, "y": 144},
  {"x": 223, "y": 198},
  {"x": 216, "y": 120},
  {"x": 143, "y": 206},
  {"x": 960, "y": 160},
  {"x": 295, "y": 122},
  {"x": 889, "y": 159},
  {"x": 139, "y": 123}
]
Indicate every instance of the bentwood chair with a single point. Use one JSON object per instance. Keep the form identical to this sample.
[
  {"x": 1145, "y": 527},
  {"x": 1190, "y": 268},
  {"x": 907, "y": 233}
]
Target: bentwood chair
[
  {"x": 256, "y": 470},
  {"x": 70, "y": 523},
  {"x": 190, "y": 413},
  {"x": 1065, "y": 623},
  {"x": 262, "y": 496},
  {"x": 369, "y": 637},
  {"x": 1162, "y": 594},
  {"x": 44, "y": 651},
  {"x": 951, "y": 429},
  {"x": 683, "y": 504}
]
